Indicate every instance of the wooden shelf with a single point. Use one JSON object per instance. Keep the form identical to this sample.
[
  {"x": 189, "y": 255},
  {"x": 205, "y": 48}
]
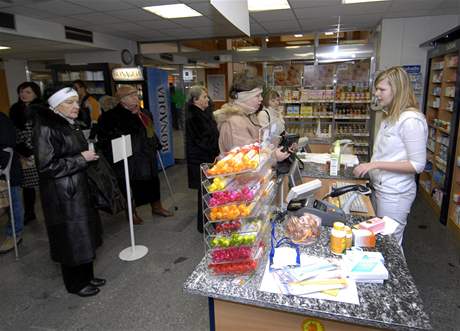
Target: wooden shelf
[{"x": 426, "y": 195}]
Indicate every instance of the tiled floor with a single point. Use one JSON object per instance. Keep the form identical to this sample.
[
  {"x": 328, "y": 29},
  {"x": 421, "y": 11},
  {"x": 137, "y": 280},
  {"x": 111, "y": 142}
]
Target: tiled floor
[{"x": 147, "y": 294}]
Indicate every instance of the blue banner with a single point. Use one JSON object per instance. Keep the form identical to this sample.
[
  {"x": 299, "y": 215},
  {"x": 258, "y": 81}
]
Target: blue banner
[{"x": 158, "y": 99}]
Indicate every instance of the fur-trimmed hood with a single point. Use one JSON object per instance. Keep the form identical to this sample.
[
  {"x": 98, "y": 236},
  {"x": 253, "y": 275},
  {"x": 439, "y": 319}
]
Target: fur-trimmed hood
[{"x": 226, "y": 111}]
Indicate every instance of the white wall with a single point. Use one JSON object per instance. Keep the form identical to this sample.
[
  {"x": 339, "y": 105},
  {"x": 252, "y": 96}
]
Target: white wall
[
  {"x": 93, "y": 57},
  {"x": 400, "y": 40},
  {"x": 32, "y": 27},
  {"x": 15, "y": 74},
  {"x": 401, "y": 37}
]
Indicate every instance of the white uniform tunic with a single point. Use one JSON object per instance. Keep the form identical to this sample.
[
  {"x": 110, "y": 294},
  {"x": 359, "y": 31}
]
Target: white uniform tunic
[{"x": 404, "y": 140}]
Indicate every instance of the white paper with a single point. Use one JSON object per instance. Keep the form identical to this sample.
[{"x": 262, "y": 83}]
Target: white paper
[
  {"x": 322, "y": 158},
  {"x": 390, "y": 225},
  {"x": 287, "y": 254},
  {"x": 117, "y": 148}
]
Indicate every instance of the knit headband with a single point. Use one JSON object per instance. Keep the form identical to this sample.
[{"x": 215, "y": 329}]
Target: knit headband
[
  {"x": 60, "y": 96},
  {"x": 246, "y": 95}
]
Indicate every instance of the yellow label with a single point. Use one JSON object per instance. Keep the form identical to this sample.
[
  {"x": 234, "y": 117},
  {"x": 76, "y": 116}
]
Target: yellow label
[
  {"x": 312, "y": 325},
  {"x": 338, "y": 244}
]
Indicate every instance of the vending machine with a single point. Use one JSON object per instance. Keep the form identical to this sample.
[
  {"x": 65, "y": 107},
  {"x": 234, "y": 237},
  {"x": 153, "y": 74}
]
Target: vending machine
[{"x": 153, "y": 90}]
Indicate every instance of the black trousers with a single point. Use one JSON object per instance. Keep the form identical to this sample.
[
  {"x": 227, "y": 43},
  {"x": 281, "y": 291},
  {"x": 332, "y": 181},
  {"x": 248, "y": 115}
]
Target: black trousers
[
  {"x": 28, "y": 194},
  {"x": 199, "y": 216},
  {"x": 77, "y": 277}
]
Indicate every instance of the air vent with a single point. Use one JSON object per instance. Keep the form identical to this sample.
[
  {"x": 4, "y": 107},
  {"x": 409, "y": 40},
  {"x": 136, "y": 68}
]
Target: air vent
[
  {"x": 7, "y": 21},
  {"x": 78, "y": 34}
]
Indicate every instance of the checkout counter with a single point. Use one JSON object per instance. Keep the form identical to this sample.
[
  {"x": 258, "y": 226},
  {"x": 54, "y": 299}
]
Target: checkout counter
[{"x": 238, "y": 304}]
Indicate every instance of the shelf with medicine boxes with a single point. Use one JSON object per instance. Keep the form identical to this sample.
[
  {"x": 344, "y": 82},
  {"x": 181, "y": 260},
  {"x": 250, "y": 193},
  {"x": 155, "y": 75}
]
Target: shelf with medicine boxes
[
  {"x": 96, "y": 76},
  {"x": 238, "y": 193},
  {"x": 442, "y": 100},
  {"x": 325, "y": 99}
]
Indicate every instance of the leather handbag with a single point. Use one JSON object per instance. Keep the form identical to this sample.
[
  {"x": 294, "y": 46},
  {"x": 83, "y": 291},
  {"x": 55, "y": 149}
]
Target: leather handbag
[{"x": 104, "y": 190}]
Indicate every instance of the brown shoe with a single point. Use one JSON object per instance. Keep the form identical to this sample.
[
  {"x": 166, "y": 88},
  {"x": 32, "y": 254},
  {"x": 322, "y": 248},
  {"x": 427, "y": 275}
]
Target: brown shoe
[
  {"x": 162, "y": 212},
  {"x": 137, "y": 220}
]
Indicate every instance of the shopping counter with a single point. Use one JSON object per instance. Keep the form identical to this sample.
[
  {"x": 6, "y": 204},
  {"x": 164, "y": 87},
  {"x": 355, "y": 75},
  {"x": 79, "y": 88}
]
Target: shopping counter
[{"x": 238, "y": 304}]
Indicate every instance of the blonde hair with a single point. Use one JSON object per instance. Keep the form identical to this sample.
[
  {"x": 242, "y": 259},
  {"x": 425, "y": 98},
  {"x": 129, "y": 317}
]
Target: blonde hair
[
  {"x": 403, "y": 94},
  {"x": 270, "y": 95}
]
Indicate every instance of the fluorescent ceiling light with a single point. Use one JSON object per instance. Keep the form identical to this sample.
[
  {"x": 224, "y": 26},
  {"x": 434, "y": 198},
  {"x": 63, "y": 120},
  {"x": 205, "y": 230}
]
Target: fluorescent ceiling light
[
  {"x": 4, "y": 47},
  {"x": 291, "y": 47},
  {"x": 173, "y": 11},
  {"x": 329, "y": 33},
  {"x": 298, "y": 35},
  {"x": 348, "y": 2},
  {"x": 248, "y": 49},
  {"x": 264, "y": 5}
]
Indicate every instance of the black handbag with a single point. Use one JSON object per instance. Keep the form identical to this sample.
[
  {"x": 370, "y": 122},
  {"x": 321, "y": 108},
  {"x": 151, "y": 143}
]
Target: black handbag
[{"x": 103, "y": 186}]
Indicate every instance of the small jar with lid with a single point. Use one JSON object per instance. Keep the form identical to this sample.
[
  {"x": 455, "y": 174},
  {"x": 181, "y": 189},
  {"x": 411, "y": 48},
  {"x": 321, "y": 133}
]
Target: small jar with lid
[
  {"x": 338, "y": 238},
  {"x": 348, "y": 237}
]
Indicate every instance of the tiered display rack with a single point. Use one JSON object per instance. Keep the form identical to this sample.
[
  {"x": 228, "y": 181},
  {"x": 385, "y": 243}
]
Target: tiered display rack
[{"x": 237, "y": 205}]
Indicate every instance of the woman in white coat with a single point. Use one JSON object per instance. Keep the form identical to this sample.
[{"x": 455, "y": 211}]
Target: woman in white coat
[{"x": 399, "y": 149}]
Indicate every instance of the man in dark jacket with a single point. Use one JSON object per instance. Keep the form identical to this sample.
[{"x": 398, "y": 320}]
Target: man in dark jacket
[
  {"x": 127, "y": 118},
  {"x": 8, "y": 139}
]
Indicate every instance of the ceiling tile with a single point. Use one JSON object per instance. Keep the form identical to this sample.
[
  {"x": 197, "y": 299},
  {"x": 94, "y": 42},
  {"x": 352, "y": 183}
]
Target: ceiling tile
[
  {"x": 103, "y": 5},
  {"x": 362, "y": 20},
  {"x": 282, "y": 26},
  {"x": 407, "y": 5},
  {"x": 144, "y": 3},
  {"x": 313, "y": 3},
  {"x": 194, "y": 21},
  {"x": 411, "y": 13},
  {"x": 193, "y": 1},
  {"x": 256, "y": 28},
  {"x": 133, "y": 15},
  {"x": 180, "y": 33},
  {"x": 317, "y": 12},
  {"x": 366, "y": 8},
  {"x": 60, "y": 7},
  {"x": 451, "y": 4},
  {"x": 126, "y": 26},
  {"x": 267, "y": 16},
  {"x": 68, "y": 20},
  {"x": 97, "y": 18},
  {"x": 159, "y": 24},
  {"x": 311, "y": 24}
]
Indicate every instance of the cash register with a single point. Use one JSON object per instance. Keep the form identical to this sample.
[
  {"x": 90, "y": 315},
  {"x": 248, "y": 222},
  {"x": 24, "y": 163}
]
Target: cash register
[{"x": 300, "y": 198}]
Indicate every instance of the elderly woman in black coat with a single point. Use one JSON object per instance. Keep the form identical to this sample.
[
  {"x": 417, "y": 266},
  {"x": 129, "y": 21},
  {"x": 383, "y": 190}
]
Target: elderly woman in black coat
[
  {"x": 201, "y": 141},
  {"x": 73, "y": 225}
]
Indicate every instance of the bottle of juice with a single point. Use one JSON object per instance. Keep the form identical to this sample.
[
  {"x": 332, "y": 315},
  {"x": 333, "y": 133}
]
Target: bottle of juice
[{"x": 338, "y": 238}]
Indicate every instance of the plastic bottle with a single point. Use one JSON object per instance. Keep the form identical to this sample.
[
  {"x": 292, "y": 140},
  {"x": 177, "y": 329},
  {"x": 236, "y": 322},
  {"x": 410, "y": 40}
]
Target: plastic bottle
[
  {"x": 348, "y": 237},
  {"x": 338, "y": 238},
  {"x": 335, "y": 159}
]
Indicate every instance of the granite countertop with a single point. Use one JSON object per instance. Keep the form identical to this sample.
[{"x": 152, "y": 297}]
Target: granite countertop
[
  {"x": 322, "y": 171},
  {"x": 395, "y": 305}
]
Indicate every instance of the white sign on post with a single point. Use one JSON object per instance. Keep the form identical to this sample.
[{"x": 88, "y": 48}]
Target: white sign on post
[
  {"x": 117, "y": 148},
  {"x": 121, "y": 150}
]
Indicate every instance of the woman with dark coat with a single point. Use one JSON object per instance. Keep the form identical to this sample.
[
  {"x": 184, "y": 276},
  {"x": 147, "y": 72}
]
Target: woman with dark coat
[
  {"x": 202, "y": 141},
  {"x": 22, "y": 114},
  {"x": 73, "y": 225},
  {"x": 127, "y": 118}
]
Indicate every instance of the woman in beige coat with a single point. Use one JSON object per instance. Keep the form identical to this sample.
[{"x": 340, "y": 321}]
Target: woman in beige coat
[{"x": 237, "y": 120}]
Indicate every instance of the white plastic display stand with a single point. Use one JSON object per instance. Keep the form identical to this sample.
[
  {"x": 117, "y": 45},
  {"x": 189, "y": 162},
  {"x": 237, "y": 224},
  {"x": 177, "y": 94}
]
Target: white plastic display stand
[{"x": 121, "y": 150}]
